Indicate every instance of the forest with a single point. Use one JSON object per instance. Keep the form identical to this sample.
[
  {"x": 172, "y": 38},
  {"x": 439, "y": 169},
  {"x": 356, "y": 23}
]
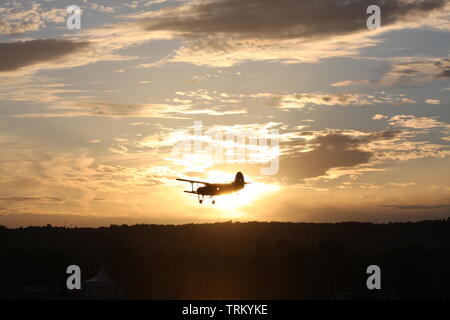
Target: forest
[{"x": 231, "y": 260}]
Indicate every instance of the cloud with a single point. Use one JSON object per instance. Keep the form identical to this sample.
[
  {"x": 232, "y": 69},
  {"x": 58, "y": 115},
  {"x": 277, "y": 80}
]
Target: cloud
[
  {"x": 90, "y": 46},
  {"x": 183, "y": 103},
  {"x": 38, "y": 176},
  {"x": 33, "y": 199},
  {"x": 36, "y": 89},
  {"x": 301, "y": 100},
  {"x": 46, "y": 180},
  {"x": 198, "y": 148},
  {"x": 379, "y": 117},
  {"x": 285, "y": 19},
  {"x": 406, "y": 72},
  {"x": 433, "y": 101},
  {"x": 410, "y": 121},
  {"x": 64, "y": 101},
  {"x": 330, "y": 150},
  {"x": 17, "y": 18},
  {"x": 225, "y": 32},
  {"x": 414, "y": 71},
  {"x": 42, "y": 177},
  {"x": 330, "y": 154},
  {"x": 418, "y": 206},
  {"x": 340, "y": 99},
  {"x": 100, "y": 8},
  {"x": 220, "y": 33},
  {"x": 324, "y": 154},
  {"x": 348, "y": 83},
  {"x": 21, "y": 54},
  {"x": 85, "y": 108}
]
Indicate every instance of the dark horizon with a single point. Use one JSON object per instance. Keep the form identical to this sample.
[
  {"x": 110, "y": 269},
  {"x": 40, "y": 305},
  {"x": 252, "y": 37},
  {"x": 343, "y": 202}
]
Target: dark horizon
[
  {"x": 251, "y": 260},
  {"x": 17, "y": 220}
]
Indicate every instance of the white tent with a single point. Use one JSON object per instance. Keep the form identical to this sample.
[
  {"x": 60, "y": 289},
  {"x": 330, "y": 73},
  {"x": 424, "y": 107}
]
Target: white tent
[{"x": 100, "y": 286}]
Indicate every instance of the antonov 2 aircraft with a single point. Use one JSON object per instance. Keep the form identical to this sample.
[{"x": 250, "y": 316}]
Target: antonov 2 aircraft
[{"x": 216, "y": 189}]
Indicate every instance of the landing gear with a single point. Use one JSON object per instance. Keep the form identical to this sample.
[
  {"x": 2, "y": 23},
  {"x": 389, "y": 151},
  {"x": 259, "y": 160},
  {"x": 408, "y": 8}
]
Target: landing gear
[{"x": 200, "y": 198}]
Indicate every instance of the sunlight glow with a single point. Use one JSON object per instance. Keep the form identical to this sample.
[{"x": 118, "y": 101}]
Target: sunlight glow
[{"x": 231, "y": 203}]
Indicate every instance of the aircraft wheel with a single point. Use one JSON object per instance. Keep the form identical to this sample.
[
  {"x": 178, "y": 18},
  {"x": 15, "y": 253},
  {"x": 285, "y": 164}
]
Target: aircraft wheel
[
  {"x": 200, "y": 201},
  {"x": 214, "y": 201}
]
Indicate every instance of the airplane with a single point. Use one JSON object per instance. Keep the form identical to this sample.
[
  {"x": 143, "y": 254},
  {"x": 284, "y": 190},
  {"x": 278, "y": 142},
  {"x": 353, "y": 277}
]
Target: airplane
[{"x": 216, "y": 189}]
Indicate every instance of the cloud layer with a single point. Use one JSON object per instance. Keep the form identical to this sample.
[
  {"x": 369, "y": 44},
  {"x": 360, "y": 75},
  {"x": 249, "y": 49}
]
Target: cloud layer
[{"x": 20, "y": 54}]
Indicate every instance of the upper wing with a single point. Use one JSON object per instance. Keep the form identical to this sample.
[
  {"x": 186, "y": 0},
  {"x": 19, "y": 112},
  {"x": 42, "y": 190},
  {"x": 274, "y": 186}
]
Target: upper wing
[{"x": 194, "y": 181}]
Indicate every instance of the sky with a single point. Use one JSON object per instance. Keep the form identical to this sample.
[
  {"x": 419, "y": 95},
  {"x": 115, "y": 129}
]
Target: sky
[{"x": 328, "y": 119}]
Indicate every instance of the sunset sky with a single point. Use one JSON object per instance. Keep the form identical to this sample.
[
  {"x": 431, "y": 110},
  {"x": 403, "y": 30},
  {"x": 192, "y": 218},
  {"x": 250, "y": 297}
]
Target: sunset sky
[{"x": 89, "y": 118}]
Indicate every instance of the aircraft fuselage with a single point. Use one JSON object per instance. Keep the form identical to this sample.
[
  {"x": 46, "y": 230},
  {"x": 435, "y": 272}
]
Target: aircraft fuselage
[{"x": 215, "y": 189}]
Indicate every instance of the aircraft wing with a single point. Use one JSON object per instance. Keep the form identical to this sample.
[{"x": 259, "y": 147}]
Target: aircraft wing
[{"x": 194, "y": 181}]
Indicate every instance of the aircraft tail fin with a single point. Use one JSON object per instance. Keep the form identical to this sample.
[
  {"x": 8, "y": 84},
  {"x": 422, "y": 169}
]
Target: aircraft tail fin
[{"x": 239, "y": 179}]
